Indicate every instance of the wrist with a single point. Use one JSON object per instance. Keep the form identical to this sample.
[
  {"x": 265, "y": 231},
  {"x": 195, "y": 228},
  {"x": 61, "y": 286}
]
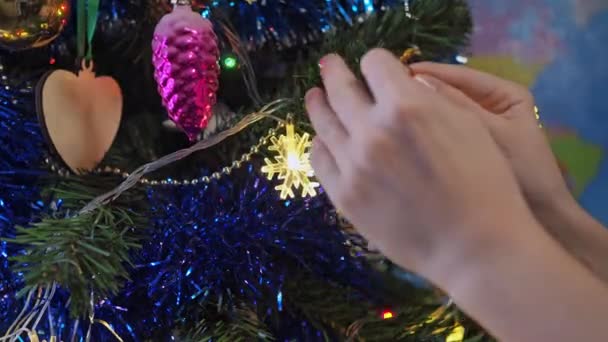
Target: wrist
[
  {"x": 578, "y": 233},
  {"x": 563, "y": 218},
  {"x": 528, "y": 277},
  {"x": 555, "y": 206},
  {"x": 461, "y": 258}
]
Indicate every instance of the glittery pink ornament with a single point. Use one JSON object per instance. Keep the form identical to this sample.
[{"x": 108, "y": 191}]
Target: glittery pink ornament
[{"x": 185, "y": 58}]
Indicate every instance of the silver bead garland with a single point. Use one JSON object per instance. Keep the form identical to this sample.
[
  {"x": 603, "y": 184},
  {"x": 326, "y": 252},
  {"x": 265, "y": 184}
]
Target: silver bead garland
[{"x": 224, "y": 171}]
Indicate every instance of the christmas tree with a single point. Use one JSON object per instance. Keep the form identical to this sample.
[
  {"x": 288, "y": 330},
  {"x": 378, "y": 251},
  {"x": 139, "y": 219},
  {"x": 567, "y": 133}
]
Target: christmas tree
[{"x": 154, "y": 174}]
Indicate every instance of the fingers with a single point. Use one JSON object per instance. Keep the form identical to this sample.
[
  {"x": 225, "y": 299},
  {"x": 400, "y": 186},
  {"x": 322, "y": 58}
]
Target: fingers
[
  {"x": 491, "y": 92},
  {"x": 330, "y": 132},
  {"x": 347, "y": 95},
  {"x": 326, "y": 169},
  {"x": 387, "y": 78},
  {"x": 325, "y": 121}
]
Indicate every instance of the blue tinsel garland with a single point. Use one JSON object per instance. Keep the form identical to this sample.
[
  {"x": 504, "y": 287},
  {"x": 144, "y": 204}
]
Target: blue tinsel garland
[
  {"x": 258, "y": 22},
  {"x": 289, "y": 23},
  {"x": 21, "y": 153},
  {"x": 235, "y": 239}
]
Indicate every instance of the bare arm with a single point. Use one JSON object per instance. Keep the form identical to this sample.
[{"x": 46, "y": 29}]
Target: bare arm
[
  {"x": 578, "y": 232},
  {"x": 530, "y": 289}
]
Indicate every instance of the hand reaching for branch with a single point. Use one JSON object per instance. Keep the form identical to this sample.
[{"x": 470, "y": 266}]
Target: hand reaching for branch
[{"x": 420, "y": 175}]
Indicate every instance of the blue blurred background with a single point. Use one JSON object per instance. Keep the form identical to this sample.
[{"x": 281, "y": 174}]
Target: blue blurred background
[{"x": 559, "y": 48}]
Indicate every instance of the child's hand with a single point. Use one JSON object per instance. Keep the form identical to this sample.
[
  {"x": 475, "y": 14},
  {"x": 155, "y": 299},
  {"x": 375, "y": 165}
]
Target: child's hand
[
  {"x": 508, "y": 111},
  {"x": 419, "y": 175}
]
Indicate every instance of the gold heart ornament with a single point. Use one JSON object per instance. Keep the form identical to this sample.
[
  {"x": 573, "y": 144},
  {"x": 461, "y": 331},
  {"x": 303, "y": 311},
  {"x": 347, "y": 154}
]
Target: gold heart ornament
[{"x": 80, "y": 115}]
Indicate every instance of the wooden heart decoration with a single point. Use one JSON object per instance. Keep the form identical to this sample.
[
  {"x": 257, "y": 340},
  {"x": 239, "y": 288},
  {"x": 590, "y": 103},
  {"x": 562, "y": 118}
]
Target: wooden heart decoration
[{"x": 80, "y": 115}]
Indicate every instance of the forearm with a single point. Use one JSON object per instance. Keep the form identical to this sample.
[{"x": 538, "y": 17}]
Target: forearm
[
  {"x": 578, "y": 232},
  {"x": 530, "y": 289}
]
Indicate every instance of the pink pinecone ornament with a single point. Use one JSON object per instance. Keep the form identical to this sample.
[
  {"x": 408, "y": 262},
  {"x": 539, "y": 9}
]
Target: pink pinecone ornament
[{"x": 185, "y": 58}]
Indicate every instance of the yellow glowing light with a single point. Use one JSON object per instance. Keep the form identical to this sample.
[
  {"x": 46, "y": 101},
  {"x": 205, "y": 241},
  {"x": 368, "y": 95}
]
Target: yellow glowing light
[
  {"x": 59, "y": 12},
  {"x": 457, "y": 334},
  {"x": 292, "y": 164},
  {"x": 387, "y": 315}
]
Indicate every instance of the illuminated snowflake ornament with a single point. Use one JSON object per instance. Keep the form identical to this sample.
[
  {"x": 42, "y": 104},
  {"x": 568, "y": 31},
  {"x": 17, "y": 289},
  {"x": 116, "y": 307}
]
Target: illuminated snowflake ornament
[{"x": 292, "y": 164}]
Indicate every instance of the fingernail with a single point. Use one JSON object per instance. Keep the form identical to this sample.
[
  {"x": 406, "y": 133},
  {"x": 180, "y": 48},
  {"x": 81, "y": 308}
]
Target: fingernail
[
  {"x": 323, "y": 62},
  {"x": 425, "y": 81},
  {"x": 326, "y": 59}
]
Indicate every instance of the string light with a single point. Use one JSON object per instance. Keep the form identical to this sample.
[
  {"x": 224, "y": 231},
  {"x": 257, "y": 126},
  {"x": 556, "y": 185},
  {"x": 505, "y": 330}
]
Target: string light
[
  {"x": 457, "y": 334},
  {"x": 229, "y": 62},
  {"x": 292, "y": 164},
  {"x": 387, "y": 314}
]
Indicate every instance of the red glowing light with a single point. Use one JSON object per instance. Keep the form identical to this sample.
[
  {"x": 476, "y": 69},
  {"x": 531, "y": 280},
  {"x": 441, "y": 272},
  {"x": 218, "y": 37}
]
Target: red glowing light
[{"x": 52, "y": 61}]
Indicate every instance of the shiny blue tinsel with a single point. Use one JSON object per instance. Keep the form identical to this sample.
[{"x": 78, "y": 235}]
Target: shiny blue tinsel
[
  {"x": 294, "y": 22},
  {"x": 21, "y": 150},
  {"x": 233, "y": 239},
  {"x": 277, "y": 23}
]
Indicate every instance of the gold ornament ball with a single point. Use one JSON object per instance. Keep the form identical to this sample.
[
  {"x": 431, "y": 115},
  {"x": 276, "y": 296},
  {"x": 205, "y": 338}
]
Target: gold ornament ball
[{"x": 26, "y": 24}]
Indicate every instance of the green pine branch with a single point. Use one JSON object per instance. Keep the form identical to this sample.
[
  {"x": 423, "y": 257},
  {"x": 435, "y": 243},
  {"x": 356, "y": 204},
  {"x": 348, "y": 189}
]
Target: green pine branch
[
  {"x": 87, "y": 254},
  {"x": 418, "y": 314},
  {"x": 339, "y": 312},
  {"x": 233, "y": 324},
  {"x": 438, "y": 27}
]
